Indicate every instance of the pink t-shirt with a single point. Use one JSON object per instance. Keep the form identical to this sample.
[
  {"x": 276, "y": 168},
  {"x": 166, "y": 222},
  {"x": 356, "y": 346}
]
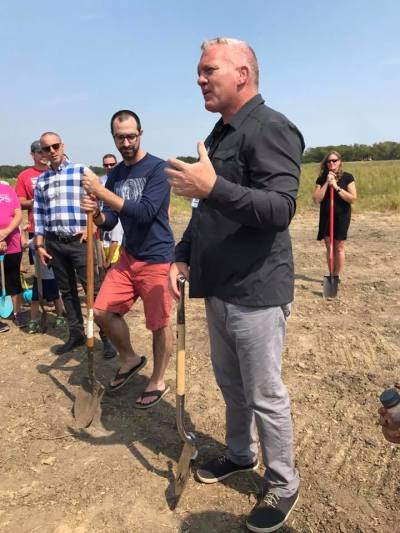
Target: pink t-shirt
[
  {"x": 26, "y": 182},
  {"x": 8, "y": 204}
]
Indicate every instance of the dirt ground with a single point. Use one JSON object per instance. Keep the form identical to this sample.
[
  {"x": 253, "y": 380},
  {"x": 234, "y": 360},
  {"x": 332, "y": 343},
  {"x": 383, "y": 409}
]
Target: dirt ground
[{"x": 117, "y": 476}]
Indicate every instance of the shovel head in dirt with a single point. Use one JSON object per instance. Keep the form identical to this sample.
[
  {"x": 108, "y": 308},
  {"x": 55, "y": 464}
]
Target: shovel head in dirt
[
  {"x": 189, "y": 449},
  {"x": 183, "y": 471},
  {"x": 331, "y": 286},
  {"x": 88, "y": 398}
]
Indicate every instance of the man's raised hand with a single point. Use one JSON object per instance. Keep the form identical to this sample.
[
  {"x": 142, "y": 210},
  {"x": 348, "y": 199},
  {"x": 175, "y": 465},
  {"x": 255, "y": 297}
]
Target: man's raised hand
[{"x": 193, "y": 180}]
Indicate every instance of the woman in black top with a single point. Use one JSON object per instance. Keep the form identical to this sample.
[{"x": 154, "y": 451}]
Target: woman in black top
[{"x": 331, "y": 174}]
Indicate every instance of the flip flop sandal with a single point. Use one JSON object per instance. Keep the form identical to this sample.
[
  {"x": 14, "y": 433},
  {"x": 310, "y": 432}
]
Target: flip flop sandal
[
  {"x": 159, "y": 395},
  {"x": 126, "y": 376}
]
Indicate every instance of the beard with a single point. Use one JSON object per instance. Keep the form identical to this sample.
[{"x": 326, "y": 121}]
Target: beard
[{"x": 129, "y": 153}]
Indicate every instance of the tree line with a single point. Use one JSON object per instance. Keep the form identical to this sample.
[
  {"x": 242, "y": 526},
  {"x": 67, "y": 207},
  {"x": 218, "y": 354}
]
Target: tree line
[{"x": 382, "y": 151}]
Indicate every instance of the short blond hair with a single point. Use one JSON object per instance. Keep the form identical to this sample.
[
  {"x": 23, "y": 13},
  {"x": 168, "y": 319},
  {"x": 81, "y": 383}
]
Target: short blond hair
[{"x": 247, "y": 50}]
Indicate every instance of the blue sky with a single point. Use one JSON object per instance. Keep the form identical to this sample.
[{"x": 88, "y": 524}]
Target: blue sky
[{"x": 332, "y": 67}]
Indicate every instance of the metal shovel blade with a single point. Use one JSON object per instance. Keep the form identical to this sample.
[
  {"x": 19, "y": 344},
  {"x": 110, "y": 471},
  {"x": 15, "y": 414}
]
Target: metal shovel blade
[
  {"x": 183, "y": 470},
  {"x": 87, "y": 401},
  {"x": 331, "y": 286},
  {"x": 6, "y": 306}
]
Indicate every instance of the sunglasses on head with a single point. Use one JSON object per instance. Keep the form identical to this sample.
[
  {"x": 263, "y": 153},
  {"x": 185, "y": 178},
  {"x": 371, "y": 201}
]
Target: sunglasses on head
[
  {"x": 332, "y": 161},
  {"x": 47, "y": 149}
]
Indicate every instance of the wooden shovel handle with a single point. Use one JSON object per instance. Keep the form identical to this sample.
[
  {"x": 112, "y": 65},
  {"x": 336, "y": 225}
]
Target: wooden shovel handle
[
  {"x": 180, "y": 339},
  {"x": 90, "y": 282}
]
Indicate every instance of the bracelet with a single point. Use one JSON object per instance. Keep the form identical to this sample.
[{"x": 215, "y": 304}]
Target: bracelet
[
  {"x": 96, "y": 214},
  {"x": 37, "y": 246}
]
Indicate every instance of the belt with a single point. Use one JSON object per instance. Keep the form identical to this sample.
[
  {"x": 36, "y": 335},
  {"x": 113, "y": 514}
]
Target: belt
[{"x": 51, "y": 236}]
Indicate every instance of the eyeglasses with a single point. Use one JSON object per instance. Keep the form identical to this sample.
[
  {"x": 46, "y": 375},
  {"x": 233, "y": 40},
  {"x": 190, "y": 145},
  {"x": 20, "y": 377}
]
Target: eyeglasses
[
  {"x": 130, "y": 137},
  {"x": 47, "y": 149},
  {"x": 332, "y": 161},
  {"x": 109, "y": 165}
]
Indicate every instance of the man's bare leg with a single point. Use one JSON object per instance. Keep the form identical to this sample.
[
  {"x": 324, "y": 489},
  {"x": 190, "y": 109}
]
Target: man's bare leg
[
  {"x": 59, "y": 307},
  {"x": 162, "y": 348},
  {"x": 116, "y": 329}
]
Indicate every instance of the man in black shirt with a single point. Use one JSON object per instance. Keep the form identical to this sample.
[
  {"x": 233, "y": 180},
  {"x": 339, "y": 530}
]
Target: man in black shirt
[{"x": 236, "y": 252}]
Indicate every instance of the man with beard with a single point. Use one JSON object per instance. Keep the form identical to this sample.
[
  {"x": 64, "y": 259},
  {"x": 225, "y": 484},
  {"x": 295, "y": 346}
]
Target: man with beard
[
  {"x": 137, "y": 193},
  {"x": 238, "y": 256},
  {"x": 60, "y": 233}
]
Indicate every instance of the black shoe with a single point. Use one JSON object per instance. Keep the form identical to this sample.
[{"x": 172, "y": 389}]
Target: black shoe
[
  {"x": 72, "y": 342},
  {"x": 108, "y": 349},
  {"x": 271, "y": 512},
  {"x": 221, "y": 468},
  {"x": 4, "y": 327}
]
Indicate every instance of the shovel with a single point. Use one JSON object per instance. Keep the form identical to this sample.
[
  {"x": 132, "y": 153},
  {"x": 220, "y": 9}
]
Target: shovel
[
  {"x": 38, "y": 270},
  {"x": 89, "y": 396},
  {"x": 6, "y": 305},
  {"x": 189, "y": 448},
  {"x": 331, "y": 282}
]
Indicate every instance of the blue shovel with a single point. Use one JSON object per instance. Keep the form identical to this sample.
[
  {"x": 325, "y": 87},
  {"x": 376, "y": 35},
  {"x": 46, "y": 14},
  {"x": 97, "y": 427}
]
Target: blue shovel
[{"x": 6, "y": 305}]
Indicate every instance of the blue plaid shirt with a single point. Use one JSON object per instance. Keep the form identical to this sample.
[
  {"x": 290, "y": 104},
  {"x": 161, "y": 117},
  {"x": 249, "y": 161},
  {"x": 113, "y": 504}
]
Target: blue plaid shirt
[{"x": 56, "y": 202}]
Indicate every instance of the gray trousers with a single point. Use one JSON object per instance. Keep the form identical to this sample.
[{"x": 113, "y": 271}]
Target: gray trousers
[{"x": 246, "y": 349}]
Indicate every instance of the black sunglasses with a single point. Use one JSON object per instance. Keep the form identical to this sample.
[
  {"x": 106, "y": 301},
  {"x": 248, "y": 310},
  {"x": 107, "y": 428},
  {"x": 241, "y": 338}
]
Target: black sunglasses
[
  {"x": 109, "y": 165},
  {"x": 47, "y": 149},
  {"x": 332, "y": 161}
]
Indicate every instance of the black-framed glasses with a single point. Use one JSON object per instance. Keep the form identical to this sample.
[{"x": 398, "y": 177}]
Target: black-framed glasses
[
  {"x": 332, "y": 161},
  {"x": 55, "y": 146},
  {"x": 130, "y": 137}
]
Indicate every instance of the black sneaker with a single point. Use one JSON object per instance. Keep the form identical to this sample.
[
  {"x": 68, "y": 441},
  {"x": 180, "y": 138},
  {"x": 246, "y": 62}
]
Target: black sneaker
[
  {"x": 4, "y": 327},
  {"x": 72, "y": 342},
  {"x": 221, "y": 468},
  {"x": 20, "y": 320},
  {"x": 271, "y": 512}
]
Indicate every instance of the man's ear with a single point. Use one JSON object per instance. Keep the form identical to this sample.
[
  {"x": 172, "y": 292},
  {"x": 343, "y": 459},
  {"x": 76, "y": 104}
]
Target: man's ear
[{"x": 244, "y": 74}]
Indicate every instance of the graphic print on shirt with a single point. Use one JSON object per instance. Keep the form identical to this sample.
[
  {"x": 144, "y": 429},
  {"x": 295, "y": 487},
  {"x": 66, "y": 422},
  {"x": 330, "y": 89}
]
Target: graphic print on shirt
[
  {"x": 130, "y": 189},
  {"x": 5, "y": 198}
]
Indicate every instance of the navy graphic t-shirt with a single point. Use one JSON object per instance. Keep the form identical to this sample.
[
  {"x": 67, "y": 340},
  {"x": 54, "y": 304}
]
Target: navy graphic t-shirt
[{"x": 144, "y": 216}]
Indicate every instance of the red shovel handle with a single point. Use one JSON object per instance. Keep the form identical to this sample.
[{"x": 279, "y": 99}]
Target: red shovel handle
[{"x": 331, "y": 228}]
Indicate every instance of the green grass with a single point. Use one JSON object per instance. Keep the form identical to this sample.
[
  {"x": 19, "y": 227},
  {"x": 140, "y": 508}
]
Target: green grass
[{"x": 377, "y": 182}]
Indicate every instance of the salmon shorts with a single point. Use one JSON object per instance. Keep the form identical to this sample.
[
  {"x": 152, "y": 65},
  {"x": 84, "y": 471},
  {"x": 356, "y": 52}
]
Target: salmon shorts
[{"x": 130, "y": 279}]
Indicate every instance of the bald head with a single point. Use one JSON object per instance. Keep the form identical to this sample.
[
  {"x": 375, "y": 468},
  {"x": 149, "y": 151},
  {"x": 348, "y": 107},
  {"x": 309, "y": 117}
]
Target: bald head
[
  {"x": 239, "y": 53},
  {"x": 46, "y": 133}
]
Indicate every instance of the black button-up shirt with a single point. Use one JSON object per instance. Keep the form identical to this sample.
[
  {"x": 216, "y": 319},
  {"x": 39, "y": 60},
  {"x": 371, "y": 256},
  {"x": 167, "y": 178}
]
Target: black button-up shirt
[{"x": 237, "y": 243}]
